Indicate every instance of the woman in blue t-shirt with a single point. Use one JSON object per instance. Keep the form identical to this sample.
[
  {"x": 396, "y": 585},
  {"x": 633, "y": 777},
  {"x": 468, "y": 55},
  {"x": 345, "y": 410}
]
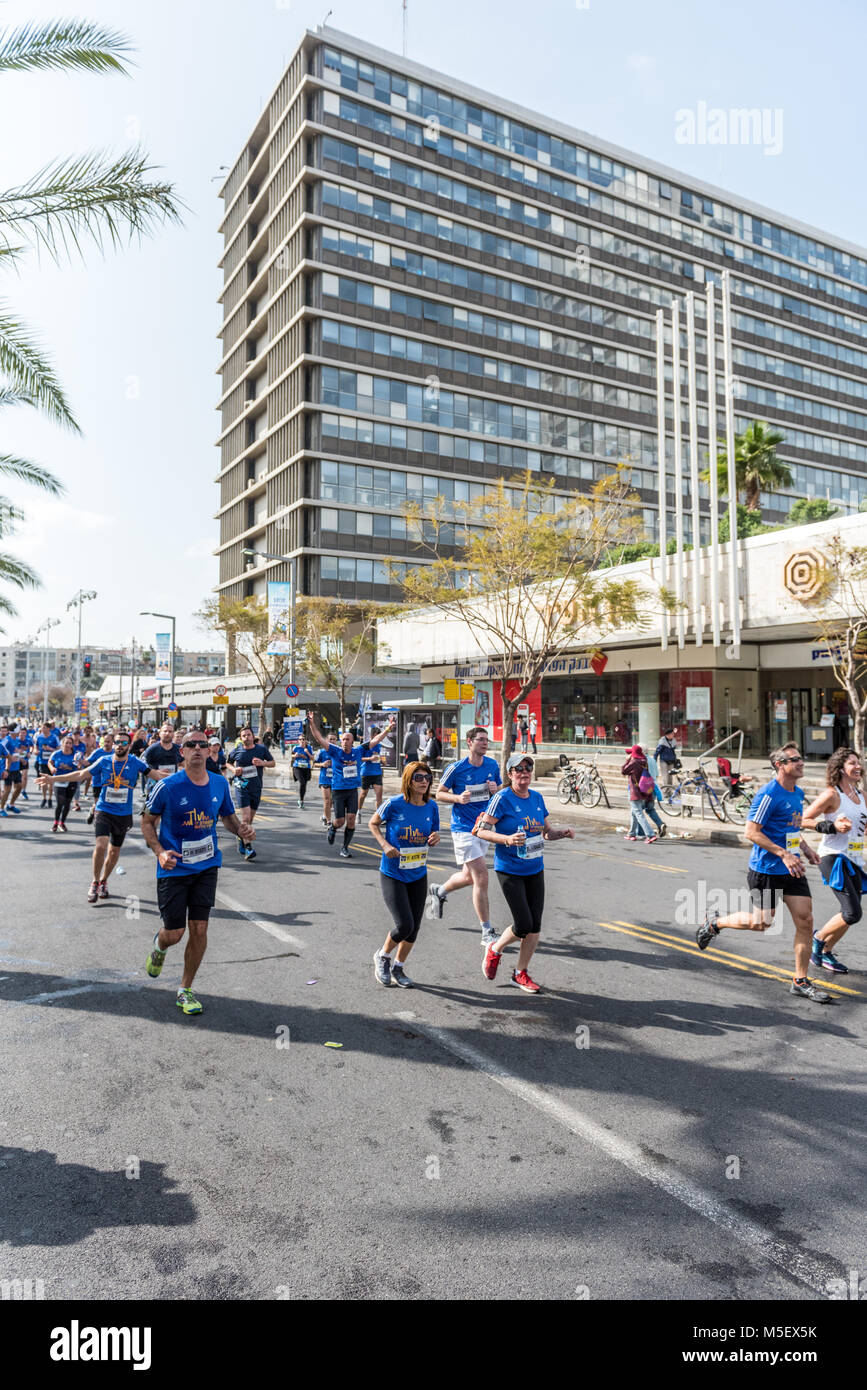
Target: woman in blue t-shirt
[
  {"x": 64, "y": 759},
  {"x": 405, "y": 826},
  {"x": 516, "y": 821},
  {"x": 302, "y": 766}
]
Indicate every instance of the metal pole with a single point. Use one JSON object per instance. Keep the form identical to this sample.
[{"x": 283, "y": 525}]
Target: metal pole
[
  {"x": 132, "y": 713},
  {"x": 45, "y": 675},
  {"x": 692, "y": 406},
  {"x": 660, "y": 452},
  {"x": 678, "y": 471},
  {"x": 78, "y": 656},
  {"x": 712, "y": 452},
  {"x": 730, "y": 455},
  {"x": 173, "y": 662}
]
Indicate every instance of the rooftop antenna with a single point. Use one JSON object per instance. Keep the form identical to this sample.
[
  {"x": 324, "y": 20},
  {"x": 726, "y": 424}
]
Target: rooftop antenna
[
  {"x": 327, "y": 17},
  {"x": 404, "y": 27}
]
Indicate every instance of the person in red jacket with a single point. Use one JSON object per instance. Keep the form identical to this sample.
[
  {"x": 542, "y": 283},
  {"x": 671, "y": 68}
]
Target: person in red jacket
[{"x": 635, "y": 769}]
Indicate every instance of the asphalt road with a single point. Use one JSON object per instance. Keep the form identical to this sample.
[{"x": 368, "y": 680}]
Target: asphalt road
[{"x": 659, "y": 1124}]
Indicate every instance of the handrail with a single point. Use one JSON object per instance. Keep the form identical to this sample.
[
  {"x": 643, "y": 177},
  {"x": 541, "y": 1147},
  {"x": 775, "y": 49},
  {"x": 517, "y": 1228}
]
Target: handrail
[{"x": 738, "y": 733}]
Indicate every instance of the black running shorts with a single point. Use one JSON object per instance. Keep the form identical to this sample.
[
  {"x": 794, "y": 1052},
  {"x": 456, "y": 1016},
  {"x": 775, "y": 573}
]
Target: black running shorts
[
  {"x": 344, "y": 802},
  {"x": 374, "y": 780},
  {"x": 765, "y": 887},
  {"x": 112, "y": 827},
  {"x": 186, "y": 897}
]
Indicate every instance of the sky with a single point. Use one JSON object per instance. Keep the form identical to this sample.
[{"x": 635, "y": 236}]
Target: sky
[{"x": 133, "y": 334}]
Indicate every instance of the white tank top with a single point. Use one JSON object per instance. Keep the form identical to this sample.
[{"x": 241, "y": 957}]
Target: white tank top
[{"x": 846, "y": 844}]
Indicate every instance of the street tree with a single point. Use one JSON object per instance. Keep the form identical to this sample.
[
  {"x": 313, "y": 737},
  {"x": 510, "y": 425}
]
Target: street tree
[
  {"x": 521, "y": 569},
  {"x": 840, "y": 591},
  {"x": 245, "y": 626},
  {"x": 757, "y": 466},
  {"x": 336, "y": 641}
]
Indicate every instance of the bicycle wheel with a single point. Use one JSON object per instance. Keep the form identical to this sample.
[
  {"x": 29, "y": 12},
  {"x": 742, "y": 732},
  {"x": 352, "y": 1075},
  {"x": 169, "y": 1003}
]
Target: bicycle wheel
[
  {"x": 671, "y": 803},
  {"x": 590, "y": 791},
  {"x": 737, "y": 805},
  {"x": 716, "y": 804},
  {"x": 564, "y": 790}
]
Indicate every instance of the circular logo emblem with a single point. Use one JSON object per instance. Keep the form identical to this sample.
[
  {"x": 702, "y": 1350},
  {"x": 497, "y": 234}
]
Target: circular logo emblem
[{"x": 804, "y": 573}]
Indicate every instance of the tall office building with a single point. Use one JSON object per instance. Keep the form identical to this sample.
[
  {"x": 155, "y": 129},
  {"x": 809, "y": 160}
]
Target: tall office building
[{"x": 427, "y": 287}]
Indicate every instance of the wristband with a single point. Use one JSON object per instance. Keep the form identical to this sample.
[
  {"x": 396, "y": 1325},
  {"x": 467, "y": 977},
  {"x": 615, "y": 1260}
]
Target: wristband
[{"x": 826, "y": 827}]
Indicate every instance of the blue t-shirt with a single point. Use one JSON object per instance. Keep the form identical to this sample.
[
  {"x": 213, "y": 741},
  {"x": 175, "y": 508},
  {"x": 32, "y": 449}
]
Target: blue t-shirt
[
  {"x": 325, "y": 768},
  {"x": 45, "y": 746},
  {"x": 346, "y": 767},
  {"x": 118, "y": 782},
  {"x": 372, "y": 767},
  {"x": 302, "y": 755},
  {"x": 62, "y": 762},
  {"x": 778, "y": 813},
  {"x": 9, "y": 748},
  {"x": 188, "y": 821},
  {"x": 93, "y": 758},
  {"x": 513, "y": 813},
  {"x": 460, "y": 775},
  {"x": 243, "y": 757},
  {"x": 406, "y": 827}
]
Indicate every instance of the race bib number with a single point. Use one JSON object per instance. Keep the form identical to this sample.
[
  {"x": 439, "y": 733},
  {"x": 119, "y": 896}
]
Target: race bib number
[
  {"x": 793, "y": 841},
  {"x": 856, "y": 851},
  {"x": 195, "y": 851},
  {"x": 116, "y": 796},
  {"x": 531, "y": 848},
  {"x": 350, "y": 774},
  {"x": 413, "y": 858},
  {"x": 166, "y": 771},
  {"x": 61, "y": 784},
  {"x": 479, "y": 792},
  {"x": 247, "y": 773}
]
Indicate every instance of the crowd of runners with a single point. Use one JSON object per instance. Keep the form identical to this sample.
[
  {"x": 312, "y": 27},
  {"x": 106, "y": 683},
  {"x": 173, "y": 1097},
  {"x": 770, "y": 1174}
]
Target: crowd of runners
[{"x": 186, "y": 780}]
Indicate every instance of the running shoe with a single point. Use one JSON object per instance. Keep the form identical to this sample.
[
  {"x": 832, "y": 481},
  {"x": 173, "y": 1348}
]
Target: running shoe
[
  {"x": 651, "y": 839},
  {"x": 55, "y": 826},
  {"x": 830, "y": 962},
  {"x": 344, "y": 853},
  {"x": 382, "y": 967},
  {"x": 491, "y": 963},
  {"x": 76, "y": 805},
  {"x": 706, "y": 933},
  {"x": 24, "y": 796},
  {"x": 4, "y": 813},
  {"x": 242, "y": 848},
  {"x": 187, "y": 1001},
  {"x": 91, "y": 815},
  {"x": 817, "y": 952},
  {"x": 93, "y": 892},
  {"x": 435, "y": 905},
  {"x": 489, "y": 936},
  {"x": 632, "y": 837},
  {"x": 42, "y": 805},
  {"x": 808, "y": 990},
  {"x": 332, "y": 831},
  {"x": 523, "y": 981},
  {"x": 663, "y": 831},
  {"x": 13, "y": 810},
  {"x": 103, "y": 889},
  {"x": 400, "y": 977},
  {"x": 324, "y": 820},
  {"x": 155, "y": 962},
  {"x": 249, "y": 852},
  {"x": 64, "y": 827},
  {"x": 300, "y": 805}
]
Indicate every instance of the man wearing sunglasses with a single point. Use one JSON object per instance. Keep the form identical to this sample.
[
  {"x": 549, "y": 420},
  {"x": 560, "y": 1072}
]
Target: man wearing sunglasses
[
  {"x": 467, "y": 785},
  {"x": 180, "y": 826},
  {"x": 776, "y": 867}
]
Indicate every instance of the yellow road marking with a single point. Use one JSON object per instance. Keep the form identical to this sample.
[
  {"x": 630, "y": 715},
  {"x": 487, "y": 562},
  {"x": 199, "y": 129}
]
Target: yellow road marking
[
  {"x": 761, "y": 968},
  {"x": 657, "y": 868}
]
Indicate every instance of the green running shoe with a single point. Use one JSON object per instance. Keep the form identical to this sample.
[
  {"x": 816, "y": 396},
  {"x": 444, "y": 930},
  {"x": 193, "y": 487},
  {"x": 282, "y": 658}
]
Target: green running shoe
[
  {"x": 155, "y": 962},
  {"x": 187, "y": 1001}
]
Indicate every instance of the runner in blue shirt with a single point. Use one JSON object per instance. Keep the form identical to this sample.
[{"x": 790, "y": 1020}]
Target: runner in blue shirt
[
  {"x": 107, "y": 746},
  {"x": 405, "y": 827},
  {"x": 346, "y": 759},
  {"x": 63, "y": 760},
  {"x": 774, "y": 828},
  {"x": 371, "y": 776},
  {"x": 516, "y": 822},
  {"x": 180, "y": 827},
  {"x": 301, "y": 759},
  {"x": 10, "y": 764},
  {"x": 467, "y": 786},
  {"x": 46, "y": 742},
  {"x": 25, "y": 739},
  {"x": 248, "y": 758},
  {"x": 323, "y": 762}
]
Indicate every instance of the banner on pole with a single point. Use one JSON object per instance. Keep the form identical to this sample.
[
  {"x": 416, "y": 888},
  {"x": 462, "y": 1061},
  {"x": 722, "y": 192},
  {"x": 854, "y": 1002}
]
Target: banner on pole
[
  {"x": 279, "y": 609},
  {"x": 163, "y": 657}
]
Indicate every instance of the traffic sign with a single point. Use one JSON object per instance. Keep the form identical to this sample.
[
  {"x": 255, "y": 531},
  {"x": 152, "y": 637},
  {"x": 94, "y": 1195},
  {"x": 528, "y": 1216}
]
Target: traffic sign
[
  {"x": 220, "y": 690},
  {"x": 79, "y": 704},
  {"x": 221, "y": 699},
  {"x": 172, "y": 708},
  {"x": 292, "y": 691}
]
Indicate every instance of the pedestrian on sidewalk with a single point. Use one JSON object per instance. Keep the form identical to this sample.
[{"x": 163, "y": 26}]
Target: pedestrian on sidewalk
[
  {"x": 666, "y": 756},
  {"x": 534, "y": 724},
  {"x": 640, "y": 785}
]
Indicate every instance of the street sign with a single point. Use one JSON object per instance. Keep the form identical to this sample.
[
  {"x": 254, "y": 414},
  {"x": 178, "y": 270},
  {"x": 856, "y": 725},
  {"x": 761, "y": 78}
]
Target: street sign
[
  {"x": 220, "y": 690},
  {"x": 221, "y": 699},
  {"x": 172, "y": 708},
  {"x": 79, "y": 704},
  {"x": 292, "y": 713},
  {"x": 292, "y": 728},
  {"x": 292, "y": 691}
]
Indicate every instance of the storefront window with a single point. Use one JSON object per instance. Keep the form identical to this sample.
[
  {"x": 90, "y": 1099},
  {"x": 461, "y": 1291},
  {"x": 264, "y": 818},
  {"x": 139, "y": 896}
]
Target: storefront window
[
  {"x": 590, "y": 709},
  {"x": 686, "y": 704}
]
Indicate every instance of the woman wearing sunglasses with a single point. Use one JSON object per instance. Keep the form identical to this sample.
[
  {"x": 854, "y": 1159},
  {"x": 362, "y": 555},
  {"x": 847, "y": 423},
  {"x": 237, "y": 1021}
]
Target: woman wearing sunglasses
[
  {"x": 405, "y": 826},
  {"x": 516, "y": 822}
]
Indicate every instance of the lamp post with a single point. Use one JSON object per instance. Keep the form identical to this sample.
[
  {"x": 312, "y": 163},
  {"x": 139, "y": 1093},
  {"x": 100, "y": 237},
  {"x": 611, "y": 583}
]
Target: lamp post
[
  {"x": 83, "y": 596},
  {"x": 148, "y": 613},
  {"x": 46, "y": 628},
  {"x": 292, "y": 562}
]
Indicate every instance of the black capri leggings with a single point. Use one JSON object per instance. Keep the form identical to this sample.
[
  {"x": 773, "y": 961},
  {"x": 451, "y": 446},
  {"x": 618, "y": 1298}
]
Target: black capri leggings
[
  {"x": 64, "y": 797},
  {"x": 849, "y": 896},
  {"x": 405, "y": 902},
  {"x": 525, "y": 896},
  {"x": 303, "y": 775}
]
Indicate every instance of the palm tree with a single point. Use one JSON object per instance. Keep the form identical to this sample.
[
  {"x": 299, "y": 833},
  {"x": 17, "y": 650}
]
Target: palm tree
[
  {"x": 98, "y": 198},
  {"x": 757, "y": 467}
]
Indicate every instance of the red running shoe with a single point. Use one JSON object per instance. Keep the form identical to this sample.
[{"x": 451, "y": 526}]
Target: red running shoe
[
  {"x": 64, "y": 827},
  {"x": 523, "y": 981},
  {"x": 490, "y": 963},
  {"x": 103, "y": 889}
]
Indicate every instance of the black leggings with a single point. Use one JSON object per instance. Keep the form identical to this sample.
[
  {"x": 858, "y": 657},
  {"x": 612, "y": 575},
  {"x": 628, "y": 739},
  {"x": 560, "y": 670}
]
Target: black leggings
[
  {"x": 849, "y": 896},
  {"x": 525, "y": 896},
  {"x": 64, "y": 797},
  {"x": 303, "y": 775},
  {"x": 405, "y": 902}
]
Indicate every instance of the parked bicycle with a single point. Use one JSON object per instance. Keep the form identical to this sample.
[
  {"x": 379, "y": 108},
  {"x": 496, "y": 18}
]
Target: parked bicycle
[
  {"x": 679, "y": 799},
  {"x": 581, "y": 782}
]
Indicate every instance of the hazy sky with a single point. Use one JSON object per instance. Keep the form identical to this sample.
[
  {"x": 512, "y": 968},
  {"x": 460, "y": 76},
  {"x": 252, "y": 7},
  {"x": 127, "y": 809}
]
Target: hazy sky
[{"x": 133, "y": 336}]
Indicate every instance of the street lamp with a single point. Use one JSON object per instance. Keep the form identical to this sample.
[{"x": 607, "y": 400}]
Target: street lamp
[
  {"x": 46, "y": 628},
  {"x": 291, "y": 561},
  {"x": 83, "y": 596},
  {"x": 148, "y": 613}
]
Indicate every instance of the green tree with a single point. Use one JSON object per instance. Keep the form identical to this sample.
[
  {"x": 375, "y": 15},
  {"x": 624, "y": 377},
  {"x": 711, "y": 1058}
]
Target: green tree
[
  {"x": 245, "y": 626},
  {"x": 97, "y": 198},
  {"x": 842, "y": 625},
  {"x": 757, "y": 467},
  {"x": 749, "y": 524},
  {"x": 520, "y": 570},
  {"x": 336, "y": 641},
  {"x": 808, "y": 509}
]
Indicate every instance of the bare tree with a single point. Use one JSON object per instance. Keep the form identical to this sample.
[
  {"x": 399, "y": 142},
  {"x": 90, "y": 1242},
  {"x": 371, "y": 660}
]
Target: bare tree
[
  {"x": 841, "y": 591},
  {"x": 245, "y": 625},
  {"x": 337, "y": 641}
]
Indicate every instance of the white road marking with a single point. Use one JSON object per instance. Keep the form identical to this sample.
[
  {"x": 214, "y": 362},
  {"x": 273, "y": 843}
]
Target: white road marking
[
  {"x": 806, "y": 1269},
  {"x": 105, "y": 985}
]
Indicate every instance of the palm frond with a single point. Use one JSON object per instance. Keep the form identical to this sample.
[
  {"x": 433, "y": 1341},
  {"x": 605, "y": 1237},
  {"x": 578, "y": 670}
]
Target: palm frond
[
  {"x": 28, "y": 372},
  {"x": 63, "y": 44},
  {"x": 97, "y": 196},
  {"x": 10, "y": 395},
  {"x": 33, "y": 473},
  {"x": 15, "y": 571},
  {"x": 9, "y": 514}
]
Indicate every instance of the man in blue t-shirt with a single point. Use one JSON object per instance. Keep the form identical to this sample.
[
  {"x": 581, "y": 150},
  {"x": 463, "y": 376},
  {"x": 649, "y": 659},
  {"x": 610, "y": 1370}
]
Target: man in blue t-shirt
[
  {"x": 467, "y": 786},
  {"x": 180, "y": 826},
  {"x": 774, "y": 828},
  {"x": 247, "y": 760},
  {"x": 10, "y": 767},
  {"x": 346, "y": 757}
]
